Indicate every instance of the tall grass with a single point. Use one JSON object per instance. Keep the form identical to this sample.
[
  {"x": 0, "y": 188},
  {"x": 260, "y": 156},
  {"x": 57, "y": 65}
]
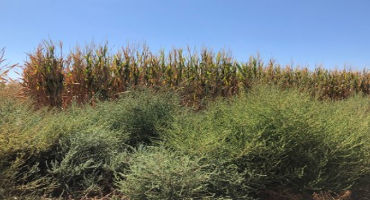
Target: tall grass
[
  {"x": 3, "y": 68},
  {"x": 7, "y": 85},
  {"x": 94, "y": 72}
]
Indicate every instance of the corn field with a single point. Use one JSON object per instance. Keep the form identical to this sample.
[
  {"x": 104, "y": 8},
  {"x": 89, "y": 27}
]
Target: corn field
[{"x": 84, "y": 74}]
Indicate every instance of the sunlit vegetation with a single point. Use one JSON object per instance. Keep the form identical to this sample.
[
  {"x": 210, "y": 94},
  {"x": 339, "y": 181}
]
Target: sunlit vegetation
[
  {"x": 56, "y": 80},
  {"x": 139, "y": 125}
]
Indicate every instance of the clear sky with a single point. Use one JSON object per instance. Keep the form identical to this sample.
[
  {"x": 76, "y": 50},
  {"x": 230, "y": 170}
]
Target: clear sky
[{"x": 306, "y": 32}]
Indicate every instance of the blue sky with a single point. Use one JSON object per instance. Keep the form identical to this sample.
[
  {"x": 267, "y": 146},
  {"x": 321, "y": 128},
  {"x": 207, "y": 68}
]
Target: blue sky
[{"x": 306, "y": 32}]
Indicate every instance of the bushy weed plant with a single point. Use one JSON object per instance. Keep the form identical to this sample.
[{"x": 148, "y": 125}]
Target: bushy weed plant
[
  {"x": 156, "y": 173},
  {"x": 76, "y": 151},
  {"x": 138, "y": 116},
  {"x": 284, "y": 136}
]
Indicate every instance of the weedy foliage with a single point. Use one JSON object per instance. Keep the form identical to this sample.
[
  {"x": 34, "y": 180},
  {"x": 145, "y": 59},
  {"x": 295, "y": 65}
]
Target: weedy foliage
[
  {"x": 76, "y": 152},
  {"x": 156, "y": 173},
  {"x": 285, "y": 137}
]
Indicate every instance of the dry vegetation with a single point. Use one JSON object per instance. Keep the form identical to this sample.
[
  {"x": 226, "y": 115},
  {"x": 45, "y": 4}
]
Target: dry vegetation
[
  {"x": 56, "y": 80},
  {"x": 282, "y": 133}
]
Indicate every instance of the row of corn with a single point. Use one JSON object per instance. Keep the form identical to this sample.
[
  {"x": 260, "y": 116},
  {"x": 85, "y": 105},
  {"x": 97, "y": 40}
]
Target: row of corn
[{"x": 54, "y": 79}]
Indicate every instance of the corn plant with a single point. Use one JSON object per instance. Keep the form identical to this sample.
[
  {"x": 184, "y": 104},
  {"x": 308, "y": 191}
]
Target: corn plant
[{"x": 43, "y": 75}]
